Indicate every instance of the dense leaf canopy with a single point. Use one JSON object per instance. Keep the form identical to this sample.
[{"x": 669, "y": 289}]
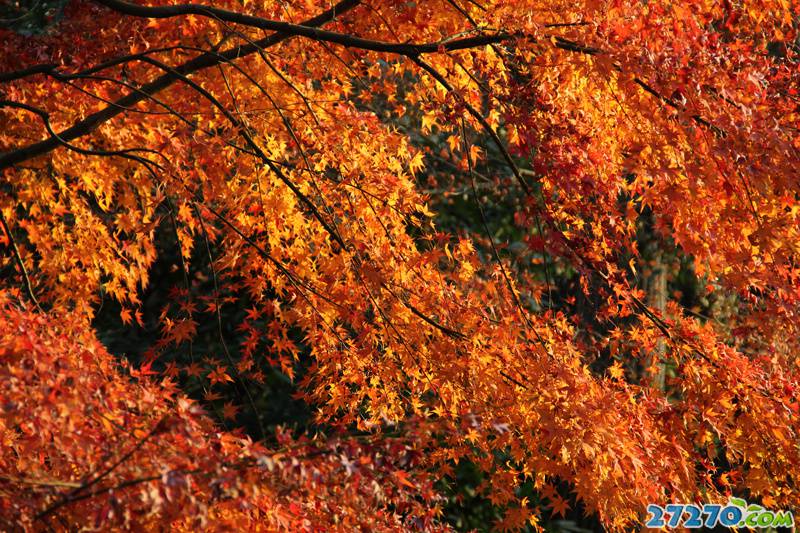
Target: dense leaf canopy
[{"x": 435, "y": 221}]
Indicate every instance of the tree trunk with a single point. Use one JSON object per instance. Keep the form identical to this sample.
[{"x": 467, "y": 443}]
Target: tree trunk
[{"x": 656, "y": 287}]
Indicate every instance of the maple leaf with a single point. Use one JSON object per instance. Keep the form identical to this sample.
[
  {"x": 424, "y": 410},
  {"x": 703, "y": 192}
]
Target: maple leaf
[
  {"x": 768, "y": 501},
  {"x": 171, "y": 370},
  {"x": 193, "y": 370},
  {"x": 417, "y": 163},
  {"x": 211, "y": 396},
  {"x": 229, "y": 411},
  {"x": 616, "y": 371},
  {"x": 428, "y": 122},
  {"x": 183, "y": 330},
  {"x": 403, "y": 479},
  {"x": 219, "y": 375},
  {"x": 453, "y": 141},
  {"x": 558, "y": 506}
]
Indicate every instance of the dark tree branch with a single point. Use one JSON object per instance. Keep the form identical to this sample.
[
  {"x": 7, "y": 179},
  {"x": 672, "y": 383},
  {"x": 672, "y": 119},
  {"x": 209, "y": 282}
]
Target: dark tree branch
[
  {"x": 51, "y": 69},
  {"x": 242, "y": 130},
  {"x": 30, "y": 71},
  {"x": 481, "y": 120},
  {"x": 203, "y": 61},
  {"x": 231, "y": 363},
  {"x": 59, "y": 140},
  {"x": 13, "y": 245},
  {"x": 301, "y": 30}
]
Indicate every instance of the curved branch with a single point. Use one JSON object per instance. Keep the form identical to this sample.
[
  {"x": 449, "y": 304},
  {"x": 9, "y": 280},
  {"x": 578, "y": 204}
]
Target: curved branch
[
  {"x": 30, "y": 71},
  {"x": 302, "y": 30},
  {"x": 481, "y": 120},
  {"x": 201, "y": 62},
  {"x": 125, "y": 153},
  {"x": 51, "y": 68},
  {"x": 242, "y": 130},
  {"x": 13, "y": 245}
]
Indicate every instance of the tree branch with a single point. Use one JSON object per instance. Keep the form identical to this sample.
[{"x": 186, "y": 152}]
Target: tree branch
[
  {"x": 302, "y": 30},
  {"x": 13, "y": 245},
  {"x": 203, "y": 61}
]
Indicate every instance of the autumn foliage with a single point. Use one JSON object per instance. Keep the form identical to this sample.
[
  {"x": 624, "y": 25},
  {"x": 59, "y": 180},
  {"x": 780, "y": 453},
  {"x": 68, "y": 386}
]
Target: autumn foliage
[{"x": 295, "y": 162}]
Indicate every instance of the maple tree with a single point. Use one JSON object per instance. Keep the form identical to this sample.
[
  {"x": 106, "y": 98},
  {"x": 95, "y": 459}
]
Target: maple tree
[{"x": 295, "y": 163}]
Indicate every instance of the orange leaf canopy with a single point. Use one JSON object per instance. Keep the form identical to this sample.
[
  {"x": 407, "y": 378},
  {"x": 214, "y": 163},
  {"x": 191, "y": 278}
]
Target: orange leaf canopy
[
  {"x": 87, "y": 441},
  {"x": 297, "y": 155}
]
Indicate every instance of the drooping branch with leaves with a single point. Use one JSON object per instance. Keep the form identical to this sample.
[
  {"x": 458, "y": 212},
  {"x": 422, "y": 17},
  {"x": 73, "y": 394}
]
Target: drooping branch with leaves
[{"x": 434, "y": 226}]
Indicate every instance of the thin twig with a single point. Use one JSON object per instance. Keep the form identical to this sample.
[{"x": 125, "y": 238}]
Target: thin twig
[{"x": 25, "y": 278}]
